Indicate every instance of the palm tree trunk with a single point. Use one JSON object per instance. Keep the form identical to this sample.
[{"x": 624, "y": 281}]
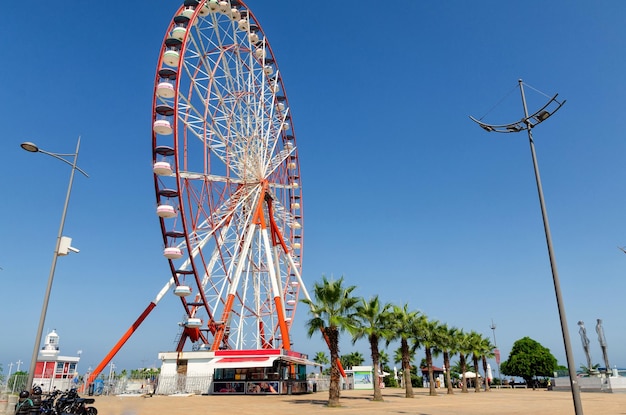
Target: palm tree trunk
[
  {"x": 333, "y": 390},
  {"x": 431, "y": 378},
  {"x": 487, "y": 380},
  {"x": 446, "y": 367},
  {"x": 476, "y": 379},
  {"x": 463, "y": 369},
  {"x": 406, "y": 368},
  {"x": 378, "y": 395}
]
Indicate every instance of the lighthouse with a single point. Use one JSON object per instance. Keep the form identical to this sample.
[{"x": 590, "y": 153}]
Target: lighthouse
[{"x": 54, "y": 371}]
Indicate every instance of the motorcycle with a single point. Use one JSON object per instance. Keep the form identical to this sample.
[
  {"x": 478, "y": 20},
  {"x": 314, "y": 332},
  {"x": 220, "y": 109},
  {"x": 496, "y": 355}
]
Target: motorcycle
[
  {"x": 47, "y": 404},
  {"x": 71, "y": 403}
]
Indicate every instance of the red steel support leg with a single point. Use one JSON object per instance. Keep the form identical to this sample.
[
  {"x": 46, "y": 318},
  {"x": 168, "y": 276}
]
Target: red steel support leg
[{"x": 120, "y": 343}]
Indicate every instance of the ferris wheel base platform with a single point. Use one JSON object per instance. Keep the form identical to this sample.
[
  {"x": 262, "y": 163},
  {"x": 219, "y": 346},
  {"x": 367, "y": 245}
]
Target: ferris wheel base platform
[{"x": 243, "y": 372}]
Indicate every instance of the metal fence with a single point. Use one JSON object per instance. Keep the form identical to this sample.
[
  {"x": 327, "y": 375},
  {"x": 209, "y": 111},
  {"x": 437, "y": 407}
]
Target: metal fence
[
  {"x": 176, "y": 384},
  {"x": 162, "y": 385},
  {"x": 322, "y": 383},
  {"x": 14, "y": 384}
]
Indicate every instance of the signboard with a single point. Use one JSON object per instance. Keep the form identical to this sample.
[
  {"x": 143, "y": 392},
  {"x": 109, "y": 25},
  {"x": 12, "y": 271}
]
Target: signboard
[
  {"x": 363, "y": 380},
  {"x": 229, "y": 387},
  {"x": 262, "y": 387}
]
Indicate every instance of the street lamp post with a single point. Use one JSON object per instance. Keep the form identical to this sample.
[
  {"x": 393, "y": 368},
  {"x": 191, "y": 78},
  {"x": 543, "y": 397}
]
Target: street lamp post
[
  {"x": 9, "y": 377},
  {"x": 28, "y": 146},
  {"x": 495, "y": 345},
  {"x": 19, "y": 363},
  {"x": 527, "y": 123},
  {"x": 110, "y": 380}
]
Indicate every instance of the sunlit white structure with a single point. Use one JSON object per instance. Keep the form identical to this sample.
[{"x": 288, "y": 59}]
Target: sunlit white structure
[{"x": 54, "y": 371}]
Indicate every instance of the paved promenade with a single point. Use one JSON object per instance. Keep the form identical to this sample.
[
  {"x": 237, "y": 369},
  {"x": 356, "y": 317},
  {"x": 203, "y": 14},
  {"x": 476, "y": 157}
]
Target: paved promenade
[{"x": 503, "y": 401}]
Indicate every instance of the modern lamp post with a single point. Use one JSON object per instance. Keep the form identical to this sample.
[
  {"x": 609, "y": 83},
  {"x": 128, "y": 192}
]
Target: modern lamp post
[
  {"x": 31, "y": 147},
  {"x": 495, "y": 345},
  {"x": 527, "y": 123}
]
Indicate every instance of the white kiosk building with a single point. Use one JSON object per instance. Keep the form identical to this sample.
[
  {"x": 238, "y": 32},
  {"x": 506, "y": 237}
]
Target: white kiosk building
[{"x": 264, "y": 371}]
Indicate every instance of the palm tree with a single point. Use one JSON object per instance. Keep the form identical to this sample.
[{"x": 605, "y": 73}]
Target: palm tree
[
  {"x": 475, "y": 348},
  {"x": 352, "y": 359},
  {"x": 486, "y": 353},
  {"x": 397, "y": 358},
  {"x": 332, "y": 310},
  {"x": 372, "y": 323},
  {"x": 402, "y": 323},
  {"x": 449, "y": 347},
  {"x": 428, "y": 337},
  {"x": 593, "y": 370},
  {"x": 462, "y": 342},
  {"x": 321, "y": 359},
  {"x": 383, "y": 359}
]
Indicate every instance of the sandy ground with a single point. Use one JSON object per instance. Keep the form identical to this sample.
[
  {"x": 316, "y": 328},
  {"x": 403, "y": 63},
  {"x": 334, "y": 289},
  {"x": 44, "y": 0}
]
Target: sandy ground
[{"x": 501, "y": 401}]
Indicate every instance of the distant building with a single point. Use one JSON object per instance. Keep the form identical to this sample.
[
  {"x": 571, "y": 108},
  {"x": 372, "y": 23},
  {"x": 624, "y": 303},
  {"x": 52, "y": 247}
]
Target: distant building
[
  {"x": 52, "y": 370},
  {"x": 438, "y": 376}
]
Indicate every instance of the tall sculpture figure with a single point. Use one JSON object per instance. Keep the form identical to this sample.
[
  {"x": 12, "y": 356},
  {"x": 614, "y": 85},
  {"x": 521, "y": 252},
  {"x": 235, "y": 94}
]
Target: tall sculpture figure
[
  {"x": 603, "y": 346},
  {"x": 583, "y": 337}
]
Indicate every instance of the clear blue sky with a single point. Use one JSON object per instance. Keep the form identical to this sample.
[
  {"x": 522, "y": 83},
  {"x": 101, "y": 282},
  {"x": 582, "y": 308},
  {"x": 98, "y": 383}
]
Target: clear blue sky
[{"x": 403, "y": 195}]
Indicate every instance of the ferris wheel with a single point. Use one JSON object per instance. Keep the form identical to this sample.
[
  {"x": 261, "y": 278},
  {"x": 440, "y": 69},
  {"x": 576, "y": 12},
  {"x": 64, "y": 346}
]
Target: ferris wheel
[{"x": 227, "y": 179}]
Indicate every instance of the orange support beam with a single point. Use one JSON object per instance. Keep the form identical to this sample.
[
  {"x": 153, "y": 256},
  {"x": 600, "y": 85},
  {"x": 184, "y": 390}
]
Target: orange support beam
[
  {"x": 282, "y": 324},
  {"x": 341, "y": 371},
  {"x": 120, "y": 343},
  {"x": 219, "y": 334}
]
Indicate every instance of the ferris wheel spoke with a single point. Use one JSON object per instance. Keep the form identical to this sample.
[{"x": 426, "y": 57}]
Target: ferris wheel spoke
[
  {"x": 222, "y": 212},
  {"x": 273, "y": 278},
  {"x": 234, "y": 284},
  {"x": 284, "y": 214},
  {"x": 211, "y": 178},
  {"x": 220, "y": 139},
  {"x": 222, "y": 251},
  {"x": 229, "y": 62},
  {"x": 212, "y": 284},
  {"x": 278, "y": 160}
]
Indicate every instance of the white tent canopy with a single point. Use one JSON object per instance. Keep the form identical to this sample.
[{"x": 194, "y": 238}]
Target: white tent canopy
[{"x": 471, "y": 375}]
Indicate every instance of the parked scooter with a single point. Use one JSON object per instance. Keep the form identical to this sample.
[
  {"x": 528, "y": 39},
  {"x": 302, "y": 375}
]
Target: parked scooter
[
  {"x": 47, "y": 404},
  {"x": 71, "y": 403}
]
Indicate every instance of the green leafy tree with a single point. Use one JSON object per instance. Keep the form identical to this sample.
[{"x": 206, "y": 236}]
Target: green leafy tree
[
  {"x": 17, "y": 380},
  {"x": 333, "y": 310},
  {"x": 384, "y": 360},
  {"x": 372, "y": 323},
  {"x": 455, "y": 368},
  {"x": 352, "y": 359},
  {"x": 593, "y": 370},
  {"x": 321, "y": 359},
  {"x": 385, "y": 366},
  {"x": 528, "y": 359},
  {"x": 561, "y": 371},
  {"x": 145, "y": 373},
  {"x": 397, "y": 357}
]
